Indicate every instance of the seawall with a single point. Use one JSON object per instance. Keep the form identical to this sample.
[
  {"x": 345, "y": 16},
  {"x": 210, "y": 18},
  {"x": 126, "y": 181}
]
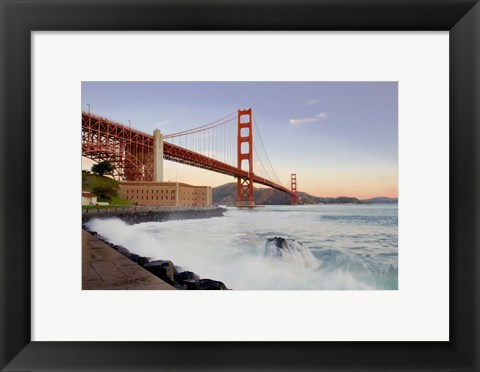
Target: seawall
[
  {"x": 133, "y": 215},
  {"x": 110, "y": 275},
  {"x": 105, "y": 268}
]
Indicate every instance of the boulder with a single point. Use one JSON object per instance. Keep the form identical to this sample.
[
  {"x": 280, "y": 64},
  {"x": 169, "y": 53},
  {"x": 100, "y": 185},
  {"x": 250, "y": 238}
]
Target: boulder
[
  {"x": 192, "y": 284},
  {"x": 138, "y": 259},
  {"x": 164, "y": 269},
  {"x": 133, "y": 257},
  {"x": 186, "y": 275},
  {"x": 142, "y": 261},
  {"x": 209, "y": 284},
  {"x": 181, "y": 287},
  {"x": 123, "y": 250}
]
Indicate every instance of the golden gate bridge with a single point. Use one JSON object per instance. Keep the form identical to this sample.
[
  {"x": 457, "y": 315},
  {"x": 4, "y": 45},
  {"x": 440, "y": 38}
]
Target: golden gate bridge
[{"x": 224, "y": 146}]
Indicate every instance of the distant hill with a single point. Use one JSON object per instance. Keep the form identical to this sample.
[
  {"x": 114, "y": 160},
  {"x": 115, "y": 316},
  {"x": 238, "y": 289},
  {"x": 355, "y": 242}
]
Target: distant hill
[
  {"x": 227, "y": 195},
  {"x": 382, "y": 200}
]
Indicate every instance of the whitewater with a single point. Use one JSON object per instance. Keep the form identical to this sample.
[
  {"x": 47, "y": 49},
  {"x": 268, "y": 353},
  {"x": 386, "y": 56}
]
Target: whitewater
[{"x": 325, "y": 247}]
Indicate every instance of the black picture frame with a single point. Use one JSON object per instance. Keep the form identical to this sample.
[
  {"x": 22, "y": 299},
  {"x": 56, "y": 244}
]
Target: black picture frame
[{"x": 18, "y": 18}]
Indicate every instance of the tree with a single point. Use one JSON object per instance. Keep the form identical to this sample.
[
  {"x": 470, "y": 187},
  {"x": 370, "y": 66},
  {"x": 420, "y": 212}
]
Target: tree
[
  {"x": 105, "y": 192},
  {"x": 104, "y": 167}
]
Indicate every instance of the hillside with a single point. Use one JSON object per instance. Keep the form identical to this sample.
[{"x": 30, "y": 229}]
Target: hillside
[
  {"x": 105, "y": 188},
  {"x": 226, "y": 195}
]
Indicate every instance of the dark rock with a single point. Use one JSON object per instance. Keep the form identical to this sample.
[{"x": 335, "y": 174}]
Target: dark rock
[
  {"x": 134, "y": 257},
  {"x": 209, "y": 284},
  {"x": 123, "y": 250},
  {"x": 186, "y": 275},
  {"x": 181, "y": 287},
  {"x": 278, "y": 241},
  {"x": 142, "y": 261},
  {"x": 192, "y": 284},
  {"x": 164, "y": 269}
]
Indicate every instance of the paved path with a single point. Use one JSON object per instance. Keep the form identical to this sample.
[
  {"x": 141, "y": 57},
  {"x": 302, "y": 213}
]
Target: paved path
[{"x": 104, "y": 268}]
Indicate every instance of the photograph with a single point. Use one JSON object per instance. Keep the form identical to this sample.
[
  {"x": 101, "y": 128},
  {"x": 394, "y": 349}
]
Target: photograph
[{"x": 239, "y": 185}]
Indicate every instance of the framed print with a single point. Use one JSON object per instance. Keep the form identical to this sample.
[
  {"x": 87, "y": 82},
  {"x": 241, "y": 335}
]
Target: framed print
[
  {"x": 62, "y": 58},
  {"x": 320, "y": 280}
]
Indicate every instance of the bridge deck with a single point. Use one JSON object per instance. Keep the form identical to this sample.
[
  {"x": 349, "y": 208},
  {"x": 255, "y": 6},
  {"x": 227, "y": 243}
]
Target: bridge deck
[{"x": 103, "y": 139}]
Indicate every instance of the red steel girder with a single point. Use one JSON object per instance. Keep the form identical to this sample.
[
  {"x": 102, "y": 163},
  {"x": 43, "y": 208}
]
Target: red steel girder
[{"x": 131, "y": 151}]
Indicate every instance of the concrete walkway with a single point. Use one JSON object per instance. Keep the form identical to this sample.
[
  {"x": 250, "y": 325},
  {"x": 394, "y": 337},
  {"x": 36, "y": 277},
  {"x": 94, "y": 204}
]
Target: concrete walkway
[{"x": 104, "y": 268}]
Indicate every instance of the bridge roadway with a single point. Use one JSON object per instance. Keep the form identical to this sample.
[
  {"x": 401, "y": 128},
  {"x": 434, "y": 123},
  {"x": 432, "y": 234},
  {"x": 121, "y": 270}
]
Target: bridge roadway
[
  {"x": 181, "y": 155},
  {"x": 118, "y": 132}
]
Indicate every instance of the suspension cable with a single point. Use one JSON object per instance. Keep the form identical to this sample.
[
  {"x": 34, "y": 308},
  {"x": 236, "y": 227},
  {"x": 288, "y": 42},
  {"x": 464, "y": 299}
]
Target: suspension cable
[
  {"x": 261, "y": 162},
  {"x": 264, "y": 149},
  {"x": 210, "y": 125}
]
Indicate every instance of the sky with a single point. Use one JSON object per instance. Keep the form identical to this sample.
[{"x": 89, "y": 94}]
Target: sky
[{"x": 340, "y": 138}]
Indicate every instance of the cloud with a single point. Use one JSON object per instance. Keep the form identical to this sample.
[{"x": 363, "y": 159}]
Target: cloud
[
  {"x": 312, "y": 102},
  {"x": 313, "y": 119},
  {"x": 315, "y": 101}
]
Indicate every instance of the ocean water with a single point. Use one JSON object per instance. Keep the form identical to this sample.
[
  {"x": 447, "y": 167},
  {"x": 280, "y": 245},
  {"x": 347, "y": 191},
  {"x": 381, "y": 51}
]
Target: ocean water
[{"x": 324, "y": 247}]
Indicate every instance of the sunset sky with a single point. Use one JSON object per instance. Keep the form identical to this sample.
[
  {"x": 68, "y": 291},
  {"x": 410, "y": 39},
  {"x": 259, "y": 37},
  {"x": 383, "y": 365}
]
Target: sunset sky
[{"x": 340, "y": 138}]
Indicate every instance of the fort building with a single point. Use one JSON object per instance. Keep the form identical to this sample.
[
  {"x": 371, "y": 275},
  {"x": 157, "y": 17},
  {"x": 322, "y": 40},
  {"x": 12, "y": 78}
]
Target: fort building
[{"x": 166, "y": 194}]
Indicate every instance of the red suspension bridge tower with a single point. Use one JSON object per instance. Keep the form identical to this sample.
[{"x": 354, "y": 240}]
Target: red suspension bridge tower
[
  {"x": 245, "y": 157},
  {"x": 293, "y": 183}
]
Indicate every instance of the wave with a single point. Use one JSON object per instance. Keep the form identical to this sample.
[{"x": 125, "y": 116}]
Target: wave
[
  {"x": 251, "y": 253},
  {"x": 362, "y": 219},
  {"x": 290, "y": 251}
]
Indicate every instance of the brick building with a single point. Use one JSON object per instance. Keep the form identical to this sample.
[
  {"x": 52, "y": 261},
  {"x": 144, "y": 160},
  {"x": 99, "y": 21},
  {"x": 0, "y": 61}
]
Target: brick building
[{"x": 166, "y": 194}]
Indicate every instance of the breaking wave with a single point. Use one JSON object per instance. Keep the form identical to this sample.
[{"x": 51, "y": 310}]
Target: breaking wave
[{"x": 272, "y": 249}]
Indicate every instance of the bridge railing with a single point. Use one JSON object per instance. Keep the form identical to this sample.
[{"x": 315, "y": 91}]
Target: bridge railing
[
  {"x": 142, "y": 209},
  {"x": 105, "y": 119}
]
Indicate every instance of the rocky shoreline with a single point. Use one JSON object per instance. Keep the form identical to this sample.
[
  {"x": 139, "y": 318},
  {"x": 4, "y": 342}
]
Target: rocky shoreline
[{"x": 164, "y": 269}]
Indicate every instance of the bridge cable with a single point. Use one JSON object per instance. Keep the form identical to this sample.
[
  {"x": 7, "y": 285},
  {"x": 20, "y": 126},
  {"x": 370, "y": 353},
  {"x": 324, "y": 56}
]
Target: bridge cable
[
  {"x": 264, "y": 149},
  {"x": 261, "y": 162},
  {"x": 204, "y": 127}
]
